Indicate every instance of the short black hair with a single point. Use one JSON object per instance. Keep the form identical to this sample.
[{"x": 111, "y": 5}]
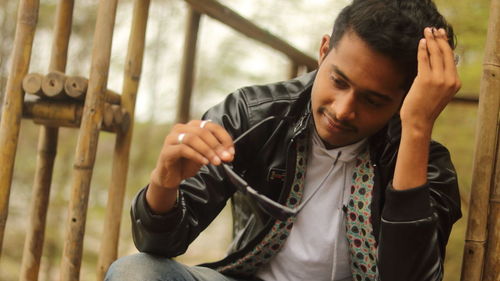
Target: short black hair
[{"x": 392, "y": 28}]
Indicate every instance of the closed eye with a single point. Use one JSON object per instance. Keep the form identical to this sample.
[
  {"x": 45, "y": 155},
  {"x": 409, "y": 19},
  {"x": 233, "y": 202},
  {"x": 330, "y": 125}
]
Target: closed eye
[{"x": 339, "y": 83}]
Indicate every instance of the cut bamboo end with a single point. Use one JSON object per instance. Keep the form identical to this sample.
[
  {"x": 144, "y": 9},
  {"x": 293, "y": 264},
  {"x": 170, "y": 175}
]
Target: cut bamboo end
[
  {"x": 53, "y": 85},
  {"x": 76, "y": 87},
  {"x": 32, "y": 84}
]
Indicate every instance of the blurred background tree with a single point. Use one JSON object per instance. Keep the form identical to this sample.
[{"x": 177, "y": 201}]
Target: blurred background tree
[{"x": 226, "y": 61}]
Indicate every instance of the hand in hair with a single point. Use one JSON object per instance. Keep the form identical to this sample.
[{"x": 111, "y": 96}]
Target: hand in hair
[{"x": 436, "y": 83}]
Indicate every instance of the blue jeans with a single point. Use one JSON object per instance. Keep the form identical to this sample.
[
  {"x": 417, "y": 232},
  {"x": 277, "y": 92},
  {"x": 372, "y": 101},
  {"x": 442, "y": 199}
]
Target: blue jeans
[{"x": 145, "y": 267}]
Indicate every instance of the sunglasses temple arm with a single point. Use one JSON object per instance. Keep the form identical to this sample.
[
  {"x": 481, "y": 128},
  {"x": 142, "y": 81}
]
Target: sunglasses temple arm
[{"x": 285, "y": 208}]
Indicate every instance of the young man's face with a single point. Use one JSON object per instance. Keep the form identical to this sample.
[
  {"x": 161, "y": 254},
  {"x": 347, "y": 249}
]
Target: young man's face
[{"x": 355, "y": 93}]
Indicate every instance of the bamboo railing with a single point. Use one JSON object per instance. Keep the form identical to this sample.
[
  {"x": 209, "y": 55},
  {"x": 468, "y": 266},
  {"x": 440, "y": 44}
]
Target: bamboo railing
[
  {"x": 215, "y": 10},
  {"x": 70, "y": 102},
  {"x": 482, "y": 246}
]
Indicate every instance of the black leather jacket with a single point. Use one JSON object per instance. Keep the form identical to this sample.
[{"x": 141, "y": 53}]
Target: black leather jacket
[{"x": 411, "y": 227}]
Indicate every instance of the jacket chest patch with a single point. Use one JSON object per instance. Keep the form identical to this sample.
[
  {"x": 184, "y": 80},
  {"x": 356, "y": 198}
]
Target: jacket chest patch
[{"x": 276, "y": 175}]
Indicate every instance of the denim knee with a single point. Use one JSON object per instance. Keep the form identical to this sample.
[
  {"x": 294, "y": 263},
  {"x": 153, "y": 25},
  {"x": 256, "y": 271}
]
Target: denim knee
[{"x": 146, "y": 267}]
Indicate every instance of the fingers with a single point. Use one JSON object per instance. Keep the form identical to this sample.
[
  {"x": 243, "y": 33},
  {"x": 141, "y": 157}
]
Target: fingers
[
  {"x": 438, "y": 59},
  {"x": 211, "y": 141},
  {"x": 434, "y": 51}
]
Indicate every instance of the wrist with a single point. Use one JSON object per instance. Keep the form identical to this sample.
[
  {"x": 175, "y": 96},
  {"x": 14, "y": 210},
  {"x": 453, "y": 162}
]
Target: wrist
[
  {"x": 161, "y": 200},
  {"x": 417, "y": 128}
]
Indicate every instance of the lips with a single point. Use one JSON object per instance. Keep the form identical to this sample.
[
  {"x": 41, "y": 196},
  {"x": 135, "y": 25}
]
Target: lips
[{"x": 335, "y": 126}]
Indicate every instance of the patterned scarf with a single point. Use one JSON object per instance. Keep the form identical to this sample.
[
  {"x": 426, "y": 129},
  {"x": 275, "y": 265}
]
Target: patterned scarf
[{"x": 362, "y": 244}]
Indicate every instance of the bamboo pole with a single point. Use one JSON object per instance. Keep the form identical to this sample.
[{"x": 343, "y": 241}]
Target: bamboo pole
[
  {"x": 491, "y": 86},
  {"x": 133, "y": 69},
  {"x": 187, "y": 67},
  {"x": 484, "y": 158},
  {"x": 227, "y": 16},
  {"x": 10, "y": 122},
  {"x": 54, "y": 114},
  {"x": 87, "y": 141},
  {"x": 47, "y": 150}
]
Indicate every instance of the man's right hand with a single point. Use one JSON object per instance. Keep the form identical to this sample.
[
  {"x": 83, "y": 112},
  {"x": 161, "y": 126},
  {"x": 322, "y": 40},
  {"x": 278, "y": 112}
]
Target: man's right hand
[{"x": 185, "y": 150}]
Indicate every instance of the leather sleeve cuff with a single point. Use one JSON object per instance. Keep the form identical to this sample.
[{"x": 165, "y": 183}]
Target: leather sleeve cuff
[
  {"x": 154, "y": 222},
  {"x": 407, "y": 205}
]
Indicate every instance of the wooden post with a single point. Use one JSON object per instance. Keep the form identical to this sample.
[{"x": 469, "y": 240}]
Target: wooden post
[
  {"x": 294, "y": 70},
  {"x": 27, "y": 18},
  {"x": 47, "y": 150},
  {"x": 87, "y": 141},
  {"x": 111, "y": 230},
  {"x": 477, "y": 243},
  {"x": 187, "y": 67}
]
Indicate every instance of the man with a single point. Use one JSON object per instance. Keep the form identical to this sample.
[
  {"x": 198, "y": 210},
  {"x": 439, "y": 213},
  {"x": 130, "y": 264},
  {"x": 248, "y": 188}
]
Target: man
[{"x": 368, "y": 195}]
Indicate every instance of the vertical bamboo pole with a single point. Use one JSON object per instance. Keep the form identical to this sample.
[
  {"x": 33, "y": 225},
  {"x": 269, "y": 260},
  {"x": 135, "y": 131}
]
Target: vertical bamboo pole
[
  {"x": 491, "y": 81},
  {"x": 27, "y": 18},
  {"x": 87, "y": 141},
  {"x": 484, "y": 156},
  {"x": 187, "y": 68},
  {"x": 133, "y": 69},
  {"x": 47, "y": 149}
]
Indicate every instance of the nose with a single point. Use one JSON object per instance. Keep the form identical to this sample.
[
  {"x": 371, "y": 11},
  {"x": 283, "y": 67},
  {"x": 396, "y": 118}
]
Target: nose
[{"x": 345, "y": 106}]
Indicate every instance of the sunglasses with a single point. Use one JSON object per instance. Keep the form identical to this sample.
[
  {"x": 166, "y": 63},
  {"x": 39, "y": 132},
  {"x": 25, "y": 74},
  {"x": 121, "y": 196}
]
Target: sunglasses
[{"x": 271, "y": 207}]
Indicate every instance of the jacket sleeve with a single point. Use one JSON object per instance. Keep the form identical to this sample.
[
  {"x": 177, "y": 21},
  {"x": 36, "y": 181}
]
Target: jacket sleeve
[
  {"x": 201, "y": 198},
  {"x": 416, "y": 223}
]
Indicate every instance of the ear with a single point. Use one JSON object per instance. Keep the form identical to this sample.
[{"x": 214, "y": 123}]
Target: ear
[{"x": 324, "y": 48}]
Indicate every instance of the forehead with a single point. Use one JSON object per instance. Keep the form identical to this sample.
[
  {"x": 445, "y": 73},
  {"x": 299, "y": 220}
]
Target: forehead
[{"x": 364, "y": 67}]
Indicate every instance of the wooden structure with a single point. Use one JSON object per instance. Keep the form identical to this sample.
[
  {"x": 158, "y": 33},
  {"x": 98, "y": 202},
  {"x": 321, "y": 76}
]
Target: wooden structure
[
  {"x": 482, "y": 245},
  {"x": 87, "y": 104}
]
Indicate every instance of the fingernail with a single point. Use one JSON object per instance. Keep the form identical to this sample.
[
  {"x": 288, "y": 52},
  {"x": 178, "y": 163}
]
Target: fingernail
[
  {"x": 216, "y": 160},
  {"x": 205, "y": 161},
  {"x": 226, "y": 155},
  {"x": 442, "y": 31},
  {"x": 231, "y": 150}
]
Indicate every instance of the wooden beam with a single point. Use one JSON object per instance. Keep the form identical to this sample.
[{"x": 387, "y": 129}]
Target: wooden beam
[
  {"x": 10, "y": 122},
  {"x": 485, "y": 154},
  {"x": 133, "y": 68},
  {"x": 187, "y": 66},
  {"x": 229, "y": 17}
]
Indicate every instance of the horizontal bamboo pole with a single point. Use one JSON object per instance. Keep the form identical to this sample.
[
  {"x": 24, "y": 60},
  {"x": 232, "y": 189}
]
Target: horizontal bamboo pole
[
  {"x": 67, "y": 114},
  {"x": 485, "y": 154},
  {"x": 87, "y": 141},
  {"x": 27, "y": 18},
  {"x": 229, "y": 17},
  {"x": 133, "y": 67}
]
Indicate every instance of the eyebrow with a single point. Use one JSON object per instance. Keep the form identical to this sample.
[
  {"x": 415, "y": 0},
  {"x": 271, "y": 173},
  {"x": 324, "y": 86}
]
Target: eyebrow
[{"x": 339, "y": 72}]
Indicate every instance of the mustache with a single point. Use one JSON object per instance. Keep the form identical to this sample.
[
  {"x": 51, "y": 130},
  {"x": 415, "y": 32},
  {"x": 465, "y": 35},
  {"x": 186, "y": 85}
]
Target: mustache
[{"x": 342, "y": 123}]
